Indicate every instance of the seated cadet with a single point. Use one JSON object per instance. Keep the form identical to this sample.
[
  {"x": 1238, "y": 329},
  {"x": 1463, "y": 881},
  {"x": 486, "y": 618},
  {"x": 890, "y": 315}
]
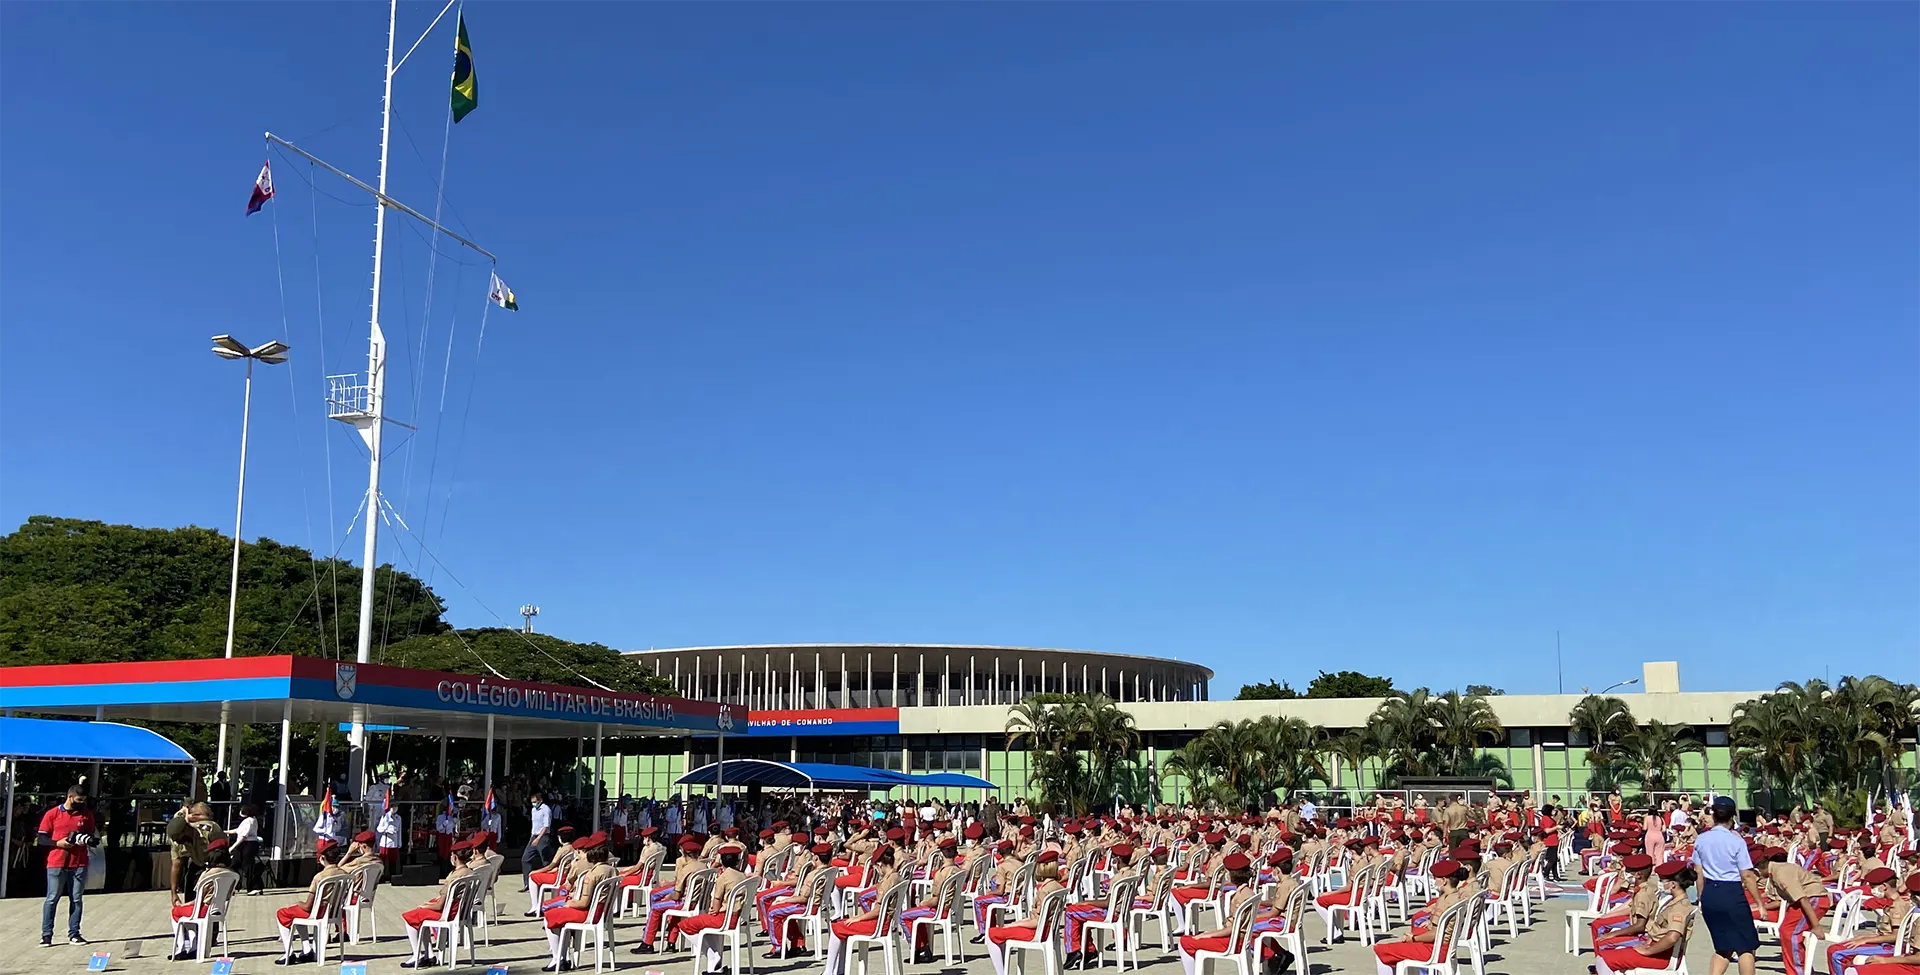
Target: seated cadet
[
  {"x": 1654, "y": 947},
  {"x": 774, "y": 912},
  {"x": 460, "y": 854},
  {"x": 1632, "y": 919},
  {"x": 1878, "y": 946},
  {"x": 1240, "y": 874},
  {"x": 593, "y": 851},
  {"x": 667, "y": 897},
  {"x": 1046, "y": 880},
  {"x": 1455, "y": 884},
  {"x": 939, "y": 868},
  {"x": 328, "y": 853},
  {"x": 219, "y": 861},
  {"x": 554, "y": 871},
  {"x": 864, "y": 923},
  {"x": 730, "y": 857}
]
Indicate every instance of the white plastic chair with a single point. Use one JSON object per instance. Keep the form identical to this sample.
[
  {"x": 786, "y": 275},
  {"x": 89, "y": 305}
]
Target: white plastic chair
[
  {"x": 1046, "y": 937},
  {"x": 1356, "y": 910},
  {"x": 886, "y": 933},
  {"x": 1770, "y": 927},
  {"x": 1510, "y": 901},
  {"x": 1019, "y": 893},
  {"x": 732, "y": 933},
  {"x": 1239, "y": 948},
  {"x": 942, "y": 921},
  {"x": 1117, "y": 921},
  {"x": 1158, "y": 909},
  {"x": 1210, "y": 901},
  {"x": 454, "y": 923},
  {"x": 481, "y": 915},
  {"x": 634, "y": 895},
  {"x": 1291, "y": 938},
  {"x": 1842, "y": 921},
  {"x": 817, "y": 915},
  {"x": 1678, "y": 962},
  {"x": 366, "y": 885},
  {"x": 328, "y": 918},
  {"x": 1578, "y": 921},
  {"x": 210, "y": 899},
  {"x": 698, "y": 892},
  {"x": 599, "y": 923},
  {"x": 1450, "y": 928}
]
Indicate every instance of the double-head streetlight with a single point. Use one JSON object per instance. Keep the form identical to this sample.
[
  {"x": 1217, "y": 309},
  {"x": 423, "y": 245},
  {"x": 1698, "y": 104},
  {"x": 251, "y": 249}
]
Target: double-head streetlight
[{"x": 272, "y": 353}]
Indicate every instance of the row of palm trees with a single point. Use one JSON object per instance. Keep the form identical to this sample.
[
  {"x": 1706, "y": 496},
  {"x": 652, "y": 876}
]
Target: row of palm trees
[
  {"x": 1410, "y": 734},
  {"x": 1801, "y": 741}
]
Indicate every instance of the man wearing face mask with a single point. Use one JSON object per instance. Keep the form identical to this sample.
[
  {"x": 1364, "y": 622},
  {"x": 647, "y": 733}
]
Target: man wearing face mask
[{"x": 69, "y": 829}]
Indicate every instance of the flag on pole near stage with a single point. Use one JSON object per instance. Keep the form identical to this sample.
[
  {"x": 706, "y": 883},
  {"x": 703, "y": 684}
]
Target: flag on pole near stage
[
  {"x": 466, "y": 97},
  {"x": 262, "y": 189},
  {"x": 453, "y": 808},
  {"x": 491, "y": 804},
  {"x": 386, "y": 800},
  {"x": 326, "y": 803},
  {"x": 501, "y": 295}
]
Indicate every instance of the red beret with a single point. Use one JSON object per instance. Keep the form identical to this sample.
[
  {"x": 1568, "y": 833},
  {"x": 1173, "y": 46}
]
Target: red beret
[
  {"x": 823, "y": 849},
  {"x": 1637, "y": 861},
  {"x": 1670, "y": 868},
  {"x": 649, "y": 831},
  {"x": 975, "y": 831},
  {"x": 1048, "y": 856},
  {"x": 1072, "y": 828},
  {"x": 1464, "y": 853},
  {"x": 1447, "y": 868},
  {"x": 949, "y": 843},
  {"x": 1879, "y": 875},
  {"x": 688, "y": 842},
  {"x": 730, "y": 831},
  {"x": 1280, "y": 856},
  {"x": 896, "y": 833},
  {"x": 1913, "y": 882},
  {"x": 364, "y": 836},
  {"x": 219, "y": 844},
  {"x": 766, "y": 834},
  {"x": 1236, "y": 861},
  {"x": 1004, "y": 846},
  {"x": 1215, "y": 839},
  {"x": 1123, "y": 850}
]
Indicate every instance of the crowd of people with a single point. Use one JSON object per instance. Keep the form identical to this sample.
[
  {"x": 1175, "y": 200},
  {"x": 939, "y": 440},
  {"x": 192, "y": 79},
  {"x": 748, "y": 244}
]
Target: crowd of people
[{"x": 999, "y": 865}]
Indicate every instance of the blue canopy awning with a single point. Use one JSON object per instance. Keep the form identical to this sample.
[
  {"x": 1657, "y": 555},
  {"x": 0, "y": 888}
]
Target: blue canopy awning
[
  {"x": 41, "y": 739},
  {"x": 952, "y": 779},
  {"x": 794, "y": 775}
]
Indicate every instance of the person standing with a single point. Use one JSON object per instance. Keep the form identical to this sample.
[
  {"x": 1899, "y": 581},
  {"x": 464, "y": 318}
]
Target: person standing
[
  {"x": 69, "y": 829},
  {"x": 1727, "y": 880},
  {"x": 245, "y": 848},
  {"x": 391, "y": 833},
  {"x": 539, "y": 840}
]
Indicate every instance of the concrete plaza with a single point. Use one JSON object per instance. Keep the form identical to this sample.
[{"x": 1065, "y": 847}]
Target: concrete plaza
[{"x": 134, "y": 927}]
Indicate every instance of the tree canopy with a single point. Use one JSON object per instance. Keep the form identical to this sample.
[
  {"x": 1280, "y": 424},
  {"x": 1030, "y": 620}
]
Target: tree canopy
[
  {"x": 1349, "y": 683},
  {"x": 77, "y": 591},
  {"x": 1267, "y": 691}
]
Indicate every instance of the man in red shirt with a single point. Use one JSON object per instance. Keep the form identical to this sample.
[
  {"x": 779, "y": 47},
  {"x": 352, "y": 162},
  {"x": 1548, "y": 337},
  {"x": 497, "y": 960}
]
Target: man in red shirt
[{"x": 69, "y": 829}]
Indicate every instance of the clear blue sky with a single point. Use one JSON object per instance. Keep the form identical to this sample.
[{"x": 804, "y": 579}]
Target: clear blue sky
[{"x": 1277, "y": 337}]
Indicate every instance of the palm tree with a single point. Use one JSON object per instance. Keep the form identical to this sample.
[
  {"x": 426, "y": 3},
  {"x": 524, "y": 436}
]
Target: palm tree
[
  {"x": 1461, "y": 724},
  {"x": 1759, "y": 734},
  {"x": 1406, "y": 720},
  {"x": 1655, "y": 750},
  {"x": 1288, "y": 761},
  {"x": 1353, "y": 747},
  {"x": 1601, "y": 719}
]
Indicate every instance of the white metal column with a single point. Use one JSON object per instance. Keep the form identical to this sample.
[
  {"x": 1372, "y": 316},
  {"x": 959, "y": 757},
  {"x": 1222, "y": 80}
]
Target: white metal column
[
  {"x": 280, "y": 818},
  {"x": 487, "y": 781},
  {"x": 599, "y": 773}
]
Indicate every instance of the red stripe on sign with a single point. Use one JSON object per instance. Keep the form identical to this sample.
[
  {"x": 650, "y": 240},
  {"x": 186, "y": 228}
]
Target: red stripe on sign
[
  {"x": 832, "y": 714},
  {"x": 146, "y": 672}
]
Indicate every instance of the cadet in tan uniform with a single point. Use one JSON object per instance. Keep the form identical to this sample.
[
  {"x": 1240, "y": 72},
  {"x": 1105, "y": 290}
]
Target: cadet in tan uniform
[
  {"x": 329, "y": 854},
  {"x": 1654, "y": 949}
]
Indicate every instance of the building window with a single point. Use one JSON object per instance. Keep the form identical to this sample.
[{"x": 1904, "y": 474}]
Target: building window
[
  {"x": 1520, "y": 737},
  {"x": 1714, "y": 737}
]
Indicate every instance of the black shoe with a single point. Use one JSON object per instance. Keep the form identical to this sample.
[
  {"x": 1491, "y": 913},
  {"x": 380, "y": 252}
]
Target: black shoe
[
  {"x": 74, "y": 939},
  {"x": 1072, "y": 960},
  {"x": 923, "y": 957},
  {"x": 643, "y": 949},
  {"x": 532, "y": 914},
  {"x": 410, "y": 963},
  {"x": 46, "y": 942},
  {"x": 977, "y": 939}
]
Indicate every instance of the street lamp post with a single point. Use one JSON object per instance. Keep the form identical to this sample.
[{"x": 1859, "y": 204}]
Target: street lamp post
[
  {"x": 1624, "y": 683},
  {"x": 272, "y": 353}
]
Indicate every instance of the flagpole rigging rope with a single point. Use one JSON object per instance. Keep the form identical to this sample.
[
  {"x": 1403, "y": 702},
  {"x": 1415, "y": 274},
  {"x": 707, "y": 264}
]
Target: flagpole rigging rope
[
  {"x": 320, "y": 320},
  {"x": 299, "y": 441}
]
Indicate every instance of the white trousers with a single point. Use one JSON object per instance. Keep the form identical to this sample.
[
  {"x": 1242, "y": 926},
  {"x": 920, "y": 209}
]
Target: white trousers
[
  {"x": 1188, "y": 962},
  {"x": 998, "y": 953},
  {"x": 836, "y": 953}
]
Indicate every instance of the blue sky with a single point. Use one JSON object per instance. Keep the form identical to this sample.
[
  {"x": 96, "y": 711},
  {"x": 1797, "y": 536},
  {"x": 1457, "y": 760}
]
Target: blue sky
[{"x": 1277, "y": 337}]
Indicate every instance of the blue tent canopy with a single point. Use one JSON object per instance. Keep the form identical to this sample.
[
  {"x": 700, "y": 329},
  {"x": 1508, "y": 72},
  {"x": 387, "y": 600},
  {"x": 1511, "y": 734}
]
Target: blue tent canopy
[
  {"x": 41, "y": 739},
  {"x": 794, "y": 775},
  {"x": 953, "y": 779}
]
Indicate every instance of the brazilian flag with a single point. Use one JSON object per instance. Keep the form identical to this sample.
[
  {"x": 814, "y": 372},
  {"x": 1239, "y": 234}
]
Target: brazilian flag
[{"x": 466, "y": 97}]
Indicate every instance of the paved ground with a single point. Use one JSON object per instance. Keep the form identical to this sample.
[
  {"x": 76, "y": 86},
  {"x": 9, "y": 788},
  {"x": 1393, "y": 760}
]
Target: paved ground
[{"x": 133, "y": 926}]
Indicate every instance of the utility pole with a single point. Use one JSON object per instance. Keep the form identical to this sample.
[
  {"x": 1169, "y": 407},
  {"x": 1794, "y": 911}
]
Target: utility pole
[{"x": 527, "y": 613}]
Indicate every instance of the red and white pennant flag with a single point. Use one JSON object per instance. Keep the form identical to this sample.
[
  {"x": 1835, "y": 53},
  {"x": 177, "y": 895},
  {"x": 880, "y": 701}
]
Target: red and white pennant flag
[{"x": 262, "y": 190}]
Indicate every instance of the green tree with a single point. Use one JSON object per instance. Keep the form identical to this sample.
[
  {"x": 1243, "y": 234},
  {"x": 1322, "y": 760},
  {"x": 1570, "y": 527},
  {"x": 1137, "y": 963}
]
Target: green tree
[
  {"x": 1267, "y": 691},
  {"x": 1604, "y": 721},
  {"x": 1349, "y": 683},
  {"x": 1077, "y": 748},
  {"x": 1462, "y": 725},
  {"x": 1484, "y": 690},
  {"x": 1654, "y": 752}
]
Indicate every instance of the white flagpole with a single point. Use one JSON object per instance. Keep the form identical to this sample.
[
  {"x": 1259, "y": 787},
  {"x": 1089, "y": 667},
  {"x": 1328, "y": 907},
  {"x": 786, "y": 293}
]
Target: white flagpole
[{"x": 376, "y": 396}]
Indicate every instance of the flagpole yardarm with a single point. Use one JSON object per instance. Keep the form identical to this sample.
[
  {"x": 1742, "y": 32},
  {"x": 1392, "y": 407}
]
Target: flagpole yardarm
[{"x": 381, "y": 196}]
